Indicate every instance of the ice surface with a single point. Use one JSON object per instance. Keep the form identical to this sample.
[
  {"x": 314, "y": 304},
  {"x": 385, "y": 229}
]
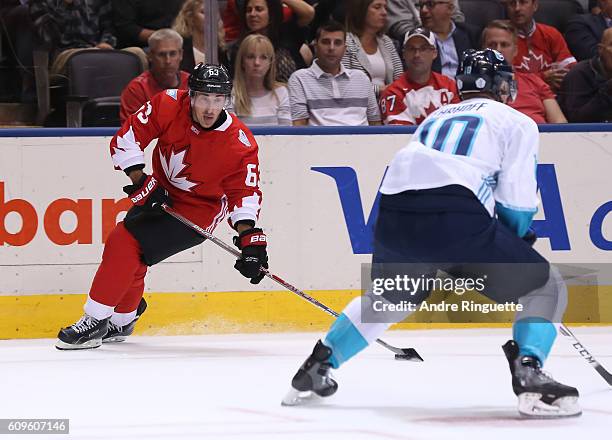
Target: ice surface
[{"x": 230, "y": 387}]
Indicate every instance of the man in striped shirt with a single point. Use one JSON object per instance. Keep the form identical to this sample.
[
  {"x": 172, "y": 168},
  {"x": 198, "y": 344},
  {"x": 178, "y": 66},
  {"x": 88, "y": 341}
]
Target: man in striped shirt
[{"x": 326, "y": 93}]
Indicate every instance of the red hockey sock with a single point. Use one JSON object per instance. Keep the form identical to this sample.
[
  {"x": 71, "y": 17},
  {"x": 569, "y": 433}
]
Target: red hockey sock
[{"x": 119, "y": 281}]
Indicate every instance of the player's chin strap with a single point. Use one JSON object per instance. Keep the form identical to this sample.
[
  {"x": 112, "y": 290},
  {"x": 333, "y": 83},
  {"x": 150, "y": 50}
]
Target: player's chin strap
[{"x": 409, "y": 354}]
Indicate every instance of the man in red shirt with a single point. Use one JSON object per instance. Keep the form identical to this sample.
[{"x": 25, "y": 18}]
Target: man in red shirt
[
  {"x": 541, "y": 48},
  {"x": 205, "y": 165},
  {"x": 165, "y": 55},
  {"x": 419, "y": 91},
  {"x": 534, "y": 97}
]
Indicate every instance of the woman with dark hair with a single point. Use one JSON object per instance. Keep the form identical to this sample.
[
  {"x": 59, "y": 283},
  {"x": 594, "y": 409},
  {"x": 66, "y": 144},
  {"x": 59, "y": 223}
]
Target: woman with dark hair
[
  {"x": 367, "y": 47},
  {"x": 266, "y": 17}
]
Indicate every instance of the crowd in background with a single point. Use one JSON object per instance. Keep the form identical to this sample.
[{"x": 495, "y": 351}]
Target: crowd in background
[{"x": 326, "y": 62}]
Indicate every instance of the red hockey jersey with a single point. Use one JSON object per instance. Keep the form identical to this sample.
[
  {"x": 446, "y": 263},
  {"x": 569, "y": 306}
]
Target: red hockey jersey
[
  {"x": 206, "y": 172},
  {"x": 532, "y": 91},
  {"x": 407, "y": 103},
  {"x": 141, "y": 89},
  {"x": 538, "y": 51}
]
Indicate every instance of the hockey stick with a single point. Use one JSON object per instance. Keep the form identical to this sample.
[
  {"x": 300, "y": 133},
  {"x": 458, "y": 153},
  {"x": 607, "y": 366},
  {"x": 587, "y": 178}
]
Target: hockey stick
[
  {"x": 408, "y": 354},
  {"x": 586, "y": 355}
]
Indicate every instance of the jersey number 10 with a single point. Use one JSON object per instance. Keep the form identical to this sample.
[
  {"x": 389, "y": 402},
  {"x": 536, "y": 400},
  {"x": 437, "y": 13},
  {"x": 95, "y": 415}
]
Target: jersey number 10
[{"x": 460, "y": 144}]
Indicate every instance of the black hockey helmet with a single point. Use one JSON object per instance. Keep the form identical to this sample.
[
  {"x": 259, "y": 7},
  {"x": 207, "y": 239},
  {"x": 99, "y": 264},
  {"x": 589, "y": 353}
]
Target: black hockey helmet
[
  {"x": 486, "y": 71},
  {"x": 210, "y": 78}
]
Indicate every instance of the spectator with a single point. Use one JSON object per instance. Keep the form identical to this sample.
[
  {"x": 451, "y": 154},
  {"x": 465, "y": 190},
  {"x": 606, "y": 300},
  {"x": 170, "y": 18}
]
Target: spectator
[
  {"x": 404, "y": 17},
  {"x": 258, "y": 99},
  {"x": 265, "y": 17},
  {"x": 419, "y": 91},
  {"x": 66, "y": 27},
  {"x": 16, "y": 37},
  {"x": 165, "y": 54},
  {"x": 367, "y": 47},
  {"x": 541, "y": 48},
  {"x": 583, "y": 32},
  {"x": 534, "y": 97},
  {"x": 136, "y": 20},
  {"x": 302, "y": 10},
  {"x": 452, "y": 38},
  {"x": 327, "y": 93},
  {"x": 586, "y": 91},
  {"x": 190, "y": 23}
]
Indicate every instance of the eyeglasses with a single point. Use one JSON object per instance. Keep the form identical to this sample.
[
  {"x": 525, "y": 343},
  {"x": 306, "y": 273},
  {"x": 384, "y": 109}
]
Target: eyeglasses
[{"x": 430, "y": 4}]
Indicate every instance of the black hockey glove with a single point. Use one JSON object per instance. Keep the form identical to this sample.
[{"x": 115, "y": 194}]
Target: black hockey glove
[
  {"x": 252, "y": 243},
  {"x": 530, "y": 237},
  {"x": 147, "y": 193}
]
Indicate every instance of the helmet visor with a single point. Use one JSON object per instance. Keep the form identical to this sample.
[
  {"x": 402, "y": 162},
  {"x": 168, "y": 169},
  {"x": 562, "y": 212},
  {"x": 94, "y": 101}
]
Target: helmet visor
[
  {"x": 505, "y": 87},
  {"x": 208, "y": 102}
]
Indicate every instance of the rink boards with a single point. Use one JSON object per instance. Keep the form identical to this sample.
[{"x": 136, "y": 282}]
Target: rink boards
[{"x": 59, "y": 197}]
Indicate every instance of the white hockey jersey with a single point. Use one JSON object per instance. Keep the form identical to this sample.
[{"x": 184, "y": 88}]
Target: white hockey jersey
[{"x": 481, "y": 144}]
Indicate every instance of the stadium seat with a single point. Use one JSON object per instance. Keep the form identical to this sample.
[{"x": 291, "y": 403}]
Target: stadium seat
[
  {"x": 557, "y": 12},
  {"x": 96, "y": 79},
  {"x": 480, "y": 12}
]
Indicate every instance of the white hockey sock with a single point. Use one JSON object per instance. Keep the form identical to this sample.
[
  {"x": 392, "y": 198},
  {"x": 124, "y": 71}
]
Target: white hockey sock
[
  {"x": 122, "y": 319},
  {"x": 97, "y": 310}
]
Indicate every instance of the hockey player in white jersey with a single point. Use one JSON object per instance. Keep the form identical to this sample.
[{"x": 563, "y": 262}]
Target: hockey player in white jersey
[{"x": 461, "y": 198}]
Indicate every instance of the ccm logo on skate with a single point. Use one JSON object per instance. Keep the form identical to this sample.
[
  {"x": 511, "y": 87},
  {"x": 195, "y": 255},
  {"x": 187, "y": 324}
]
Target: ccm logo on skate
[
  {"x": 64, "y": 221},
  {"x": 145, "y": 192},
  {"x": 553, "y": 227}
]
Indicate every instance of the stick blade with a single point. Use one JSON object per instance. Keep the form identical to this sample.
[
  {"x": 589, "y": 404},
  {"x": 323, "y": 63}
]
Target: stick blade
[{"x": 408, "y": 354}]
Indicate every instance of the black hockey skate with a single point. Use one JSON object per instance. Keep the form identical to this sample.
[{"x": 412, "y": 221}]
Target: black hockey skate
[
  {"x": 540, "y": 396},
  {"x": 86, "y": 333},
  {"x": 118, "y": 333},
  {"x": 313, "y": 378}
]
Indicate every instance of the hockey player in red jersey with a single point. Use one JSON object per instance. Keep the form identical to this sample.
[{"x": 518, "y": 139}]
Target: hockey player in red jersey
[{"x": 205, "y": 166}]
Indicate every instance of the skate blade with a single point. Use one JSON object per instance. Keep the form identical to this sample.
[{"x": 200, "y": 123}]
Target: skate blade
[
  {"x": 298, "y": 398},
  {"x": 114, "y": 339},
  {"x": 530, "y": 406},
  {"x": 94, "y": 343}
]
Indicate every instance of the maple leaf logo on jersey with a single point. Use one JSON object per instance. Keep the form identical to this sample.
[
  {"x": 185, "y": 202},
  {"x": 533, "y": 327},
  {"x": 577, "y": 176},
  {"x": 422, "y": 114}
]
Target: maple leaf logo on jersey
[
  {"x": 533, "y": 63},
  {"x": 419, "y": 103},
  {"x": 126, "y": 144},
  {"x": 173, "y": 166},
  {"x": 126, "y": 141}
]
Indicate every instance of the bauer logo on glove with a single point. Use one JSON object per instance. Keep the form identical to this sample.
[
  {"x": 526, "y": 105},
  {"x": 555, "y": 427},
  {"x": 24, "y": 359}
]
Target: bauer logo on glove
[
  {"x": 252, "y": 242},
  {"x": 142, "y": 195},
  {"x": 148, "y": 193}
]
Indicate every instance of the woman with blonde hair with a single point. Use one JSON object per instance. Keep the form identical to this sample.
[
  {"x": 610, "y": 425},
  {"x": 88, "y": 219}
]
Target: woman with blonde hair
[
  {"x": 258, "y": 99},
  {"x": 190, "y": 23}
]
